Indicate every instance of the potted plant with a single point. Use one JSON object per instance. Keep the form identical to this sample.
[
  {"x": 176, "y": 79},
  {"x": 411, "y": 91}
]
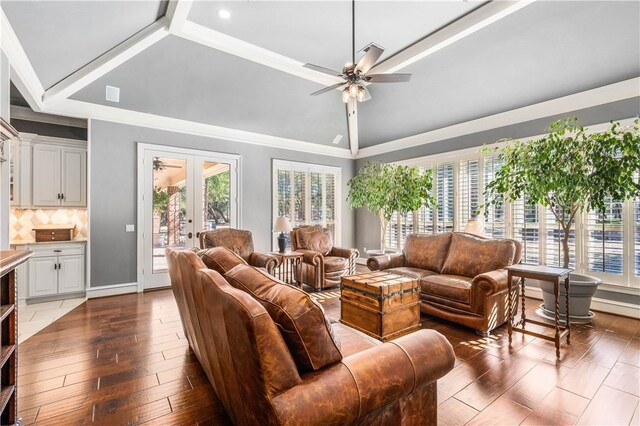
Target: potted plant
[
  {"x": 570, "y": 170},
  {"x": 388, "y": 188}
]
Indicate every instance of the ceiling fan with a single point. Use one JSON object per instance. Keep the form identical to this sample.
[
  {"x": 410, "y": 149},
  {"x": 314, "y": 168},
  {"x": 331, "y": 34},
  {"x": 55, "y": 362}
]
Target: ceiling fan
[
  {"x": 355, "y": 75},
  {"x": 158, "y": 164}
]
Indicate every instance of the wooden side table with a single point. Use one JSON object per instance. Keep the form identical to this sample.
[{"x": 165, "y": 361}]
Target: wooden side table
[
  {"x": 543, "y": 273},
  {"x": 289, "y": 262}
]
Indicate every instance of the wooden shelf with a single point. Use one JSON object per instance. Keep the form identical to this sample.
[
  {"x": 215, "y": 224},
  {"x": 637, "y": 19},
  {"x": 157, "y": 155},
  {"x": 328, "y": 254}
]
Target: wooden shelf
[
  {"x": 5, "y": 310},
  {"x": 5, "y": 395},
  {"x": 5, "y": 353}
]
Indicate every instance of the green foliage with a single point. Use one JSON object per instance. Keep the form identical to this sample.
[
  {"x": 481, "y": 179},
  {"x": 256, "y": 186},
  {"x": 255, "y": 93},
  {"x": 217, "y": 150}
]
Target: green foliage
[
  {"x": 160, "y": 199},
  {"x": 569, "y": 170},
  {"x": 218, "y": 190}
]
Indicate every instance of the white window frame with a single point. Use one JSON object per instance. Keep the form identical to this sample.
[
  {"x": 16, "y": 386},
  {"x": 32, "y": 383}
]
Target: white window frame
[
  {"x": 625, "y": 283},
  {"x": 309, "y": 168}
]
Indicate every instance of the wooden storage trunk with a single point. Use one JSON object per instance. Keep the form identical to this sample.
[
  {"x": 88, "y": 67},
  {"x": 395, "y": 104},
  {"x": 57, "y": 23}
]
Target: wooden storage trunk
[{"x": 380, "y": 304}]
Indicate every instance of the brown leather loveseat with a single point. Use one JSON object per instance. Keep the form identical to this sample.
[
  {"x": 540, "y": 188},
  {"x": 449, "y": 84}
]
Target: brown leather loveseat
[
  {"x": 273, "y": 358},
  {"x": 462, "y": 276}
]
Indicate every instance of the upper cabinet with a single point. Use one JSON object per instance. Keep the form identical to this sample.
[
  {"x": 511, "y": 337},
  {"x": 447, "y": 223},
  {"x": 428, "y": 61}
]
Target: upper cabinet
[{"x": 49, "y": 172}]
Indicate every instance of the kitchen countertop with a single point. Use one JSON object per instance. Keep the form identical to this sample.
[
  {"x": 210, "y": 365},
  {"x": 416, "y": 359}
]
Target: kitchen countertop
[{"x": 33, "y": 242}]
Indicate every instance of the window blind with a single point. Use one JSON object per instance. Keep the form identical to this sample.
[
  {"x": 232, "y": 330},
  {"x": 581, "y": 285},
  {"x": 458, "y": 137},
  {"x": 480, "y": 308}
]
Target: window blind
[
  {"x": 494, "y": 219},
  {"x": 526, "y": 229}
]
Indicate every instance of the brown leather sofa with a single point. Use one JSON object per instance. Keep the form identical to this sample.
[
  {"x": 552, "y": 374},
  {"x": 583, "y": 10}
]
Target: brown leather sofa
[
  {"x": 462, "y": 276},
  {"x": 242, "y": 342},
  {"x": 323, "y": 264},
  {"x": 240, "y": 242}
]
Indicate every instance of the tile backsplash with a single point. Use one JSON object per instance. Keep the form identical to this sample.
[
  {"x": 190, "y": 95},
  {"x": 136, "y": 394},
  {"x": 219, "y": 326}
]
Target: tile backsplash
[{"x": 22, "y": 221}]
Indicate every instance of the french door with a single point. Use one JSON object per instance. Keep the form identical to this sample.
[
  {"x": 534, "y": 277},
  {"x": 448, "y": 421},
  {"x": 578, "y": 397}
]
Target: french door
[{"x": 184, "y": 192}]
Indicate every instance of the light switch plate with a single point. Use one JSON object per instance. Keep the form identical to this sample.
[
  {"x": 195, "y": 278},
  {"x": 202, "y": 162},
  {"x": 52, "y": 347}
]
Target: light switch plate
[{"x": 129, "y": 228}]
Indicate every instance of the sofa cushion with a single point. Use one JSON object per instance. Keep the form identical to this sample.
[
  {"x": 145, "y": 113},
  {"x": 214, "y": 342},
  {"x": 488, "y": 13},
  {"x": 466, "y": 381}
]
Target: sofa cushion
[
  {"x": 407, "y": 271},
  {"x": 301, "y": 320},
  {"x": 220, "y": 259},
  {"x": 452, "y": 287},
  {"x": 470, "y": 255},
  {"x": 333, "y": 264},
  {"x": 426, "y": 251},
  {"x": 316, "y": 239}
]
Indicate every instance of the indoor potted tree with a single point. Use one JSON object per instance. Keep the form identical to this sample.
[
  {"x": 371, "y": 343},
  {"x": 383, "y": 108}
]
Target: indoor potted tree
[
  {"x": 569, "y": 170},
  {"x": 388, "y": 188}
]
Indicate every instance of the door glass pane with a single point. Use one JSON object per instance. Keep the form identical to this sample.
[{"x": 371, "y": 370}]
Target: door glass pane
[
  {"x": 216, "y": 206},
  {"x": 169, "y": 208}
]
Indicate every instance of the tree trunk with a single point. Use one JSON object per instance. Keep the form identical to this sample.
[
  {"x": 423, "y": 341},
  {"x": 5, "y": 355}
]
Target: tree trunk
[
  {"x": 565, "y": 246},
  {"x": 383, "y": 233}
]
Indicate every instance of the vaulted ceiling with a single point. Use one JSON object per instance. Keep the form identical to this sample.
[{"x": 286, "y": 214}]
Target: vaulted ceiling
[{"x": 181, "y": 60}]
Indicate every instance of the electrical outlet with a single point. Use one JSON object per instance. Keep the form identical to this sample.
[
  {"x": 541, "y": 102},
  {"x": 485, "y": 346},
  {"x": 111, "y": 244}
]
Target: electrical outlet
[{"x": 129, "y": 228}]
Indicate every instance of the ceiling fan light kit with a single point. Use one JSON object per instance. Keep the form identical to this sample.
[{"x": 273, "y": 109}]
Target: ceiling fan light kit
[{"x": 355, "y": 75}]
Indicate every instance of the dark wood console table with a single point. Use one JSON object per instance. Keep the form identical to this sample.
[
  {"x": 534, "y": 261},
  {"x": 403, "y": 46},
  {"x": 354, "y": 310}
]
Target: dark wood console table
[
  {"x": 543, "y": 273},
  {"x": 9, "y": 260}
]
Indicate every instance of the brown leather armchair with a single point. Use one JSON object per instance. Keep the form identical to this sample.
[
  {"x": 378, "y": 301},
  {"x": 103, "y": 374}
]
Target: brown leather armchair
[
  {"x": 254, "y": 374},
  {"x": 240, "y": 242},
  {"x": 323, "y": 264}
]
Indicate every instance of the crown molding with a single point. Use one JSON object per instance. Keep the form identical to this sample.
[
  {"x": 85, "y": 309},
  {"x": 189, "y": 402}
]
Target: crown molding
[
  {"x": 27, "y": 114},
  {"x": 468, "y": 24},
  {"x": 118, "y": 115},
  {"x": 108, "y": 61},
  {"x": 602, "y": 95}
]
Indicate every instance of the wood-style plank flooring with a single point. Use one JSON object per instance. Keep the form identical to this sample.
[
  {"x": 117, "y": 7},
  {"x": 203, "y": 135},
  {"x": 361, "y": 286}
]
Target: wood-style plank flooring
[{"x": 124, "y": 360}]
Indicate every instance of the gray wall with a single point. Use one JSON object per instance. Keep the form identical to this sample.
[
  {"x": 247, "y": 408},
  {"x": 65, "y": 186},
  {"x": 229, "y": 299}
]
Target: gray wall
[
  {"x": 4, "y": 168},
  {"x": 113, "y": 156},
  {"x": 367, "y": 226}
]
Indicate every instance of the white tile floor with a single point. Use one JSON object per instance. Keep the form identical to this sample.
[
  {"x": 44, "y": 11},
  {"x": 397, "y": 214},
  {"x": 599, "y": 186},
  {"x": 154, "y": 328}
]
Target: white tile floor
[{"x": 33, "y": 318}]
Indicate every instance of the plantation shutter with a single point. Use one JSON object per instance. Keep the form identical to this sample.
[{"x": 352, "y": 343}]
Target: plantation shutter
[
  {"x": 494, "y": 219},
  {"x": 445, "y": 197},
  {"x": 526, "y": 229},
  {"x": 636, "y": 214},
  {"x": 299, "y": 216},
  {"x": 468, "y": 192},
  {"x": 605, "y": 239},
  {"x": 424, "y": 215},
  {"x": 284, "y": 192},
  {"x": 391, "y": 240},
  {"x": 330, "y": 202}
]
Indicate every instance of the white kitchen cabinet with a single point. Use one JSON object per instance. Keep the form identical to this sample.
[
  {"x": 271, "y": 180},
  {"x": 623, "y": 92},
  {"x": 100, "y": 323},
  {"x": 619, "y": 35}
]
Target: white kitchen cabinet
[
  {"x": 20, "y": 166},
  {"x": 54, "y": 268},
  {"x": 43, "y": 276},
  {"x": 59, "y": 173}
]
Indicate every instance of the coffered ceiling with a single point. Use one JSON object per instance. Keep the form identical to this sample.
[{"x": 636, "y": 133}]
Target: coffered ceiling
[{"x": 242, "y": 78}]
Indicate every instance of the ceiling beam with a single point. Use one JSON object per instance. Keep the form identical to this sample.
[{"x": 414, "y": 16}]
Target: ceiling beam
[
  {"x": 352, "y": 122},
  {"x": 28, "y": 82},
  {"x": 225, "y": 43},
  {"x": 108, "y": 61},
  {"x": 456, "y": 31},
  {"x": 177, "y": 13}
]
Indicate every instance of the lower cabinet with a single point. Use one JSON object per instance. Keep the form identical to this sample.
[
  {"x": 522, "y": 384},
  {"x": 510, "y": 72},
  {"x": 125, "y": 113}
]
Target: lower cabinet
[{"x": 54, "y": 269}]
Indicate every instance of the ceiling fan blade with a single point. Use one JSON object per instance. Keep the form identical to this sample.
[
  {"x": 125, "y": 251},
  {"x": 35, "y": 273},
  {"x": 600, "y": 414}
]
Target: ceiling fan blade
[
  {"x": 322, "y": 69},
  {"x": 369, "y": 59},
  {"x": 388, "y": 78},
  {"x": 327, "y": 89},
  {"x": 367, "y": 94},
  {"x": 170, "y": 166}
]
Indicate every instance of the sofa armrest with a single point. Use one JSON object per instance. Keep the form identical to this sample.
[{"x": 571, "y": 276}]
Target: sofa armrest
[
  {"x": 491, "y": 282},
  {"x": 311, "y": 257},
  {"x": 386, "y": 261},
  {"x": 367, "y": 380},
  {"x": 262, "y": 260}
]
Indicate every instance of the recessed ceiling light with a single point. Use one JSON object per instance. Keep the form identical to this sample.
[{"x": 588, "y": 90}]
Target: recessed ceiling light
[{"x": 224, "y": 14}]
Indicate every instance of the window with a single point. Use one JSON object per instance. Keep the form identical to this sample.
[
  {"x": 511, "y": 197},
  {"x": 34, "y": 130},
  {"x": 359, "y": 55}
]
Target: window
[
  {"x": 636, "y": 214},
  {"x": 553, "y": 246},
  {"x": 444, "y": 196},
  {"x": 307, "y": 194},
  {"x": 468, "y": 192},
  {"x": 424, "y": 216},
  {"x": 605, "y": 239},
  {"x": 495, "y": 215},
  {"x": 526, "y": 229}
]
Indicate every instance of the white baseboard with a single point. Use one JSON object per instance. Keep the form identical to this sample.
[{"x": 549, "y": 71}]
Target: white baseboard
[
  {"x": 601, "y": 305},
  {"x": 112, "y": 290}
]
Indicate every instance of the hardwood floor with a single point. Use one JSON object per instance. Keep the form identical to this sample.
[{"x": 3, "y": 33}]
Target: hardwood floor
[{"x": 125, "y": 360}]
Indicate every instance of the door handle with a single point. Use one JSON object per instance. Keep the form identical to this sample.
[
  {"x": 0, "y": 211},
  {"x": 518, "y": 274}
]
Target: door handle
[
  {"x": 59, "y": 265},
  {"x": 62, "y": 196},
  {"x": 55, "y": 266},
  {"x": 190, "y": 235},
  {"x": 197, "y": 235},
  {"x": 59, "y": 196}
]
